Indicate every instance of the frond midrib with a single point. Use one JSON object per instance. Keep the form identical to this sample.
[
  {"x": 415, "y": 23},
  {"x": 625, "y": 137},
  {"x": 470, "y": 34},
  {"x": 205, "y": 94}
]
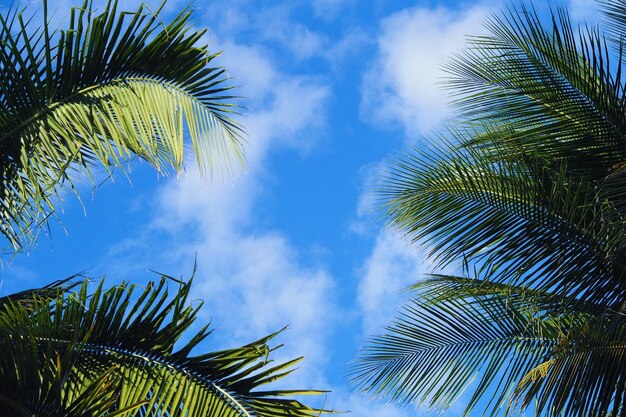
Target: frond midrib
[
  {"x": 161, "y": 362},
  {"x": 444, "y": 346}
]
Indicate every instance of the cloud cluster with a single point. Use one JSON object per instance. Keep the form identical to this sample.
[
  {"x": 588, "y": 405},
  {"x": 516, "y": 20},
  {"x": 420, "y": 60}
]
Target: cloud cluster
[
  {"x": 402, "y": 86},
  {"x": 392, "y": 265}
]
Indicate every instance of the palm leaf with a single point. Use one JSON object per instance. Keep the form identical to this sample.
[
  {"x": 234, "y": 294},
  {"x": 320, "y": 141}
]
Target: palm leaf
[
  {"x": 49, "y": 292},
  {"x": 432, "y": 353},
  {"x": 111, "y": 351},
  {"x": 110, "y": 86},
  {"x": 552, "y": 86},
  {"x": 529, "y": 198},
  {"x": 519, "y": 218},
  {"x": 585, "y": 374},
  {"x": 513, "y": 347},
  {"x": 533, "y": 186}
]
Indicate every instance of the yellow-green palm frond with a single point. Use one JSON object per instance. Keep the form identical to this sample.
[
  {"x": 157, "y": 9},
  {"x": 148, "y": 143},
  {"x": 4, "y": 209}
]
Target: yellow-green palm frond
[{"x": 110, "y": 86}]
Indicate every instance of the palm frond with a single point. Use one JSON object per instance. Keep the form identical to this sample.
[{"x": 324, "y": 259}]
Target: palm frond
[
  {"x": 529, "y": 197},
  {"x": 523, "y": 220},
  {"x": 49, "y": 292},
  {"x": 552, "y": 85},
  {"x": 440, "y": 288},
  {"x": 511, "y": 347},
  {"x": 433, "y": 352},
  {"x": 110, "y": 86},
  {"x": 585, "y": 374},
  {"x": 111, "y": 351},
  {"x": 614, "y": 20}
]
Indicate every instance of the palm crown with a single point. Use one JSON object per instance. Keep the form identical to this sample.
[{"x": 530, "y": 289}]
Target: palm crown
[
  {"x": 113, "y": 352},
  {"x": 526, "y": 193}
]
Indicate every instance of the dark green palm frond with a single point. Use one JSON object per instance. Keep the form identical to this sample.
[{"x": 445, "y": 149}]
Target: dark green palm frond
[
  {"x": 511, "y": 347},
  {"x": 523, "y": 220},
  {"x": 110, "y": 86},
  {"x": 49, "y": 292},
  {"x": 440, "y": 288},
  {"x": 529, "y": 195},
  {"x": 585, "y": 374},
  {"x": 552, "y": 85},
  {"x": 614, "y": 21},
  {"x": 114, "y": 352},
  {"x": 433, "y": 352}
]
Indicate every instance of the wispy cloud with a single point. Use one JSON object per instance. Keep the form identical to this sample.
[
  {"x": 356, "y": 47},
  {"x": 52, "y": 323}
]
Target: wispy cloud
[
  {"x": 402, "y": 87},
  {"x": 585, "y": 11},
  {"x": 329, "y": 9},
  {"x": 272, "y": 24},
  {"x": 392, "y": 265}
]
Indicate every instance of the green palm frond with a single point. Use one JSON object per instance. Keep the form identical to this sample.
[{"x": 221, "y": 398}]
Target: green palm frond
[
  {"x": 433, "y": 352},
  {"x": 585, "y": 373},
  {"x": 533, "y": 186},
  {"x": 110, "y": 86},
  {"x": 615, "y": 20},
  {"x": 112, "y": 352},
  {"x": 49, "y": 291},
  {"x": 528, "y": 196},
  {"x": 511, "y": 347},
  {"x": 521, "y": 219},
  {"x": 441, "y": 288},
  {"x": 552, "y": 86}
]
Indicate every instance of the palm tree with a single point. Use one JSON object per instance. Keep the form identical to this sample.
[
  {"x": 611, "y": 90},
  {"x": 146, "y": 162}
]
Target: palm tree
[
  {"x": 110, "y": 86},
  {"x": 114, "y": 352},
  {"x": 525, "y": 198}
]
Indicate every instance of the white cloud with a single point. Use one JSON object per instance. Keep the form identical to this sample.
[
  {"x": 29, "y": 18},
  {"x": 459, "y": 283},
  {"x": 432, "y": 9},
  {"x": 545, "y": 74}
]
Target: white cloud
[
  {"x": 347, "y": 47},
  {"x": 301, "y": 42},
  {"x": 368, "y": 203},
  {"x": 403, "y": 85},
  {"x": 295, "y": 108},
  {"x": 391, "y": 267},
  {"x": 272, "y": 25}
]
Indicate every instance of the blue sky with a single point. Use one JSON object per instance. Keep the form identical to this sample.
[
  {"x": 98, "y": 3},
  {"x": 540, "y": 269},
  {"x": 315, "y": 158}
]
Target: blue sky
[{"x": 332, "y": 87}]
